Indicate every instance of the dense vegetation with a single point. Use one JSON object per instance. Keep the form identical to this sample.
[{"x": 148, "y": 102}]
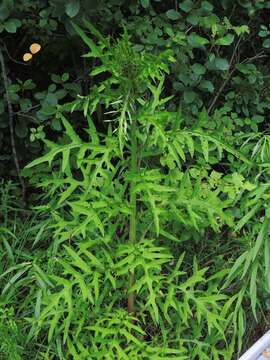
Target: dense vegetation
[{"x": 134, "y": 165}]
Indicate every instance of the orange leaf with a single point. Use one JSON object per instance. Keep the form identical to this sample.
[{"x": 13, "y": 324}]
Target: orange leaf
[
  {"x": 27, "y": 57},
  {"x": 35, "y": 48}
]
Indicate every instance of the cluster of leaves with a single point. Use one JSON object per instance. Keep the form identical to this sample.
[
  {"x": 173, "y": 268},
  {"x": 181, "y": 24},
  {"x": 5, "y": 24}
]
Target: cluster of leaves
[{"x": 217, "y": 59}]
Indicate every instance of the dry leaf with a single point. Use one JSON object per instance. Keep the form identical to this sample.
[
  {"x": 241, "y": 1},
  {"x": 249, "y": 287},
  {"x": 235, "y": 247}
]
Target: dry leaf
[
  {"x": 27, "y": 57},
  {"x": 35, "y": 48}
]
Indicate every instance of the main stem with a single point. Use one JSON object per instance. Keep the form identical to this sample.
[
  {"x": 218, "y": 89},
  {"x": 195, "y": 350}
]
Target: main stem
[{"x": 133, "y": 206}]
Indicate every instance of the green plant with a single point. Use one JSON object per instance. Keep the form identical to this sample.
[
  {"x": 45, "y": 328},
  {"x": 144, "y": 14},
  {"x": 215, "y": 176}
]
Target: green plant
[
  {"x": 119, "y": 203},
  {"x": 10, "y": 337}
]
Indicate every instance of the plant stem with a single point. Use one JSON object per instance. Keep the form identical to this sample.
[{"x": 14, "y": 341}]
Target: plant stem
[{"x": 133, "y": 205}]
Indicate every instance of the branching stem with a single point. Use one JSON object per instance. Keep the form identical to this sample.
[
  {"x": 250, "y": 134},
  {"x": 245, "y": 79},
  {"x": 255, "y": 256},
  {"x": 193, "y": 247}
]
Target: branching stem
[{"x": 133, "y": 206}]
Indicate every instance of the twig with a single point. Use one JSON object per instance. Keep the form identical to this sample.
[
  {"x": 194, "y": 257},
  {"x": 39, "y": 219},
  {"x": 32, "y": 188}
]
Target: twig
[
  {"x": 229, "y": 75},
  {"x": 10, "y": 57},
  {"x": 255, "y": 57},
  {"x": 232, "y": 70},
  {"x": 11, "y": 124},
  {"x": 188, "y": 30}
]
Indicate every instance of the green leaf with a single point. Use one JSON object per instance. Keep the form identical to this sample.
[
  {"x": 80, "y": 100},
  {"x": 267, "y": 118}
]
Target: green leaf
[
  {"x": 47, "y": 110},
  {"x": 190, "y": 144},
  {"x": 173, "y": 14},
  {"x": 198, "y": 69},
  {"x": 70, "y": 131},
  {"x": 236, "y": 266},
  {"x": 53, "y": 322},
  {"x": 96, "y": 33},
  {"x": 267, "y": 260},
  {"x": 14, "y": 88},
  {"x": 12, "y": 24},
  {"x": 29, "y": 84},
  {"x": 253, "y": 289},
  {"x": 154, "y": 211},
  {"x": 223, "y": 145},
  {"x": 56, "y": 124},
  {"x": 193, "y": 19},
  {"x": 56, "y": 78},
  {"x": 25, "y": 105},
  {"x": 222, "y": 64},
  {"x": 99, "y": 70},
  {"x": 72, "y": 8},
  {"x": 226, "y": 40},
  {"x": 65, "y": 77},
  {"x": 8, "y": 247},
  {"x": 52, "y": 88},
  {"x": 60, "y": 94},
  {"x": 266, "y": 43},
  {"x": 207, "y": 85},
  {"x": 186, "y": 5},
  {"x": 263, "y": 234},
  {"x": 207, "y": 6},
  {"x": 4, "y": 12},
  {"x": 51, "y": 99},
  {"x": 189, "y": 96},
  {"x": 205, "y": 149},
  {"x": 145, "y": 3},
  {"x": 95, "y": 50},
  {"x": 65, "y": 161},
  {"x": 248, "y": 216},
  {"x": 14, "y": 278},
  {"x": 38, "y": 304},
  {"x": 196, "y": 40},
  {"x": 77, "y": 260}
]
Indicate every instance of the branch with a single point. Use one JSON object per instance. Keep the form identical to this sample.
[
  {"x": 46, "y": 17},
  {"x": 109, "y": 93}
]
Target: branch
[
  {"x": 229, "y": 75},
  {"x": 10, "y": 57},
  {"x": 11, "y": 123},
  {"x": 255, "y": 57},
  {"x": 232, "y": 70}
]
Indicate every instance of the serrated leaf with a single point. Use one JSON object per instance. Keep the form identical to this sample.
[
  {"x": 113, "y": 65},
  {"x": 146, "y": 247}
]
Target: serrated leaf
[
  {"x": 65, "y": 161},
  {"x": 70, "y": 131},
  {"x": 77, "y": 260},
  {"x": 205, "y": 149}
]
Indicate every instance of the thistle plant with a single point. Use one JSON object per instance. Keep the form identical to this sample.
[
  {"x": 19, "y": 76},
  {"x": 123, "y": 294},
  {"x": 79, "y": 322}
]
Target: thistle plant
[{"x": 121, "y": 199}]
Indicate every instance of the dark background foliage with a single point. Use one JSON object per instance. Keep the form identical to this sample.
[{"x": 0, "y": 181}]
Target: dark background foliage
[{"x": 216, "y": 69}]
